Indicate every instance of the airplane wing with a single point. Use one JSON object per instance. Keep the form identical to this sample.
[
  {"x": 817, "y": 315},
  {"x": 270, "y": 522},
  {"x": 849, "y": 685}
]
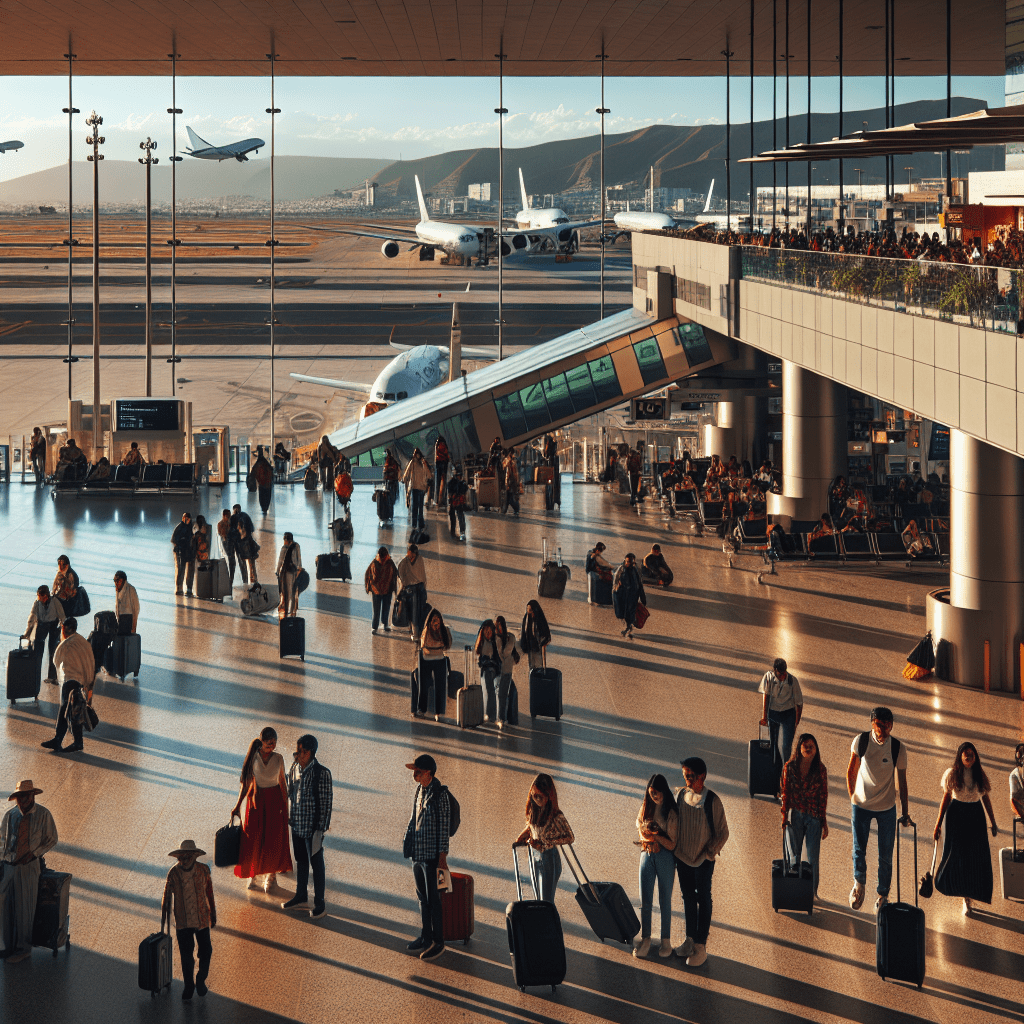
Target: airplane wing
[
  {"x": 246, "y": 146},
  {"x": 399, "y": 236},
  {"x": 339, "y": 385},
  {"x": 554, "y": 231}
]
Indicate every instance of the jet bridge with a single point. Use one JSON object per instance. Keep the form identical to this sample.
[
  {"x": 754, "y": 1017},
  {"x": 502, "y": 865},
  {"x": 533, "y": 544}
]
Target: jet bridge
[{"x": 539, "y": 389}]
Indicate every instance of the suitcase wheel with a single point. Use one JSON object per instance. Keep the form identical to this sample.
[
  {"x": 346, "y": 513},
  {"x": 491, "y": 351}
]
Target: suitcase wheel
[
  {"x": 558, "y": 718},
  {"x": 532, "y": 715}
]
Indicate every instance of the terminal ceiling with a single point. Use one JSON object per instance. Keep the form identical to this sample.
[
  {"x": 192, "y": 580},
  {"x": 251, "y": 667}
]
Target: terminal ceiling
[{"x": 453, "y": 38}]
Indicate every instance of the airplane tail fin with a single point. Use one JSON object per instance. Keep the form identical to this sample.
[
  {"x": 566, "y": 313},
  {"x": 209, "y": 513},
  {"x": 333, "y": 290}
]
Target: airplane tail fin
[
  {"x": 419, "y": 197},
  {"x": 522, "y": 188},
  {"x": 707, "y": 205},
  {"x": 195, "y": 140}
]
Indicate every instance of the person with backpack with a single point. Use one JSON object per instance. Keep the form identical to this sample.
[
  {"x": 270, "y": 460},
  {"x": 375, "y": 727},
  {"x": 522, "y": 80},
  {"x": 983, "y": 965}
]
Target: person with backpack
[
  {"x": 311, "y": 795},
  {"x": 327, "y": 457},
  {"x": 508, "y": 656},
  {"x": 391, "y": 474},
  {"x": 289, "y": 565},
  {"x": 441, "y": 459},
  {"x": 878, "y": 761},
  {"x": 241, "y": 523},
  {"x": 43, "y": 628},
  {"x": 702, "y": 832},
  {"x": 658, "y": 825},
  {"x": 457, "y": 490},
  {"x": 535, "y": 634},
  {"x": 547, "y": 828},
  {"x": 434, "y": 820},
  {"x": 263, "y": 476}
]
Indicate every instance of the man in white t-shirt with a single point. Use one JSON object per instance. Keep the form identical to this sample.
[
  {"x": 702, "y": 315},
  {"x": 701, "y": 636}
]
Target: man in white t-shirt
[
  {"x": 782, "y": 705},
  {"x": 878, "y": 761}
]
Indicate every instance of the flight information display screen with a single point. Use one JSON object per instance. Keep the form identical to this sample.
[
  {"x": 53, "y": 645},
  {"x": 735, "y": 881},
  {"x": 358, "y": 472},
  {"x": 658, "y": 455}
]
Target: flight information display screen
[
  {"x": 695, "y": 344},
  {"x": 148, "y": 414}
]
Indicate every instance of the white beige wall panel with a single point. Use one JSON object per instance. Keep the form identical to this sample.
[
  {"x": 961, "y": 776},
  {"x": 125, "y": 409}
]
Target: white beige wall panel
[
  {"x": 869, "y": 371},
  {"x": 924, "y": 339},
  {"x": 924, "y": 390},
  {"x": 972, "y": 407},
  {"x": 972, "y": 353},
  {"x": 903, "y": 382},
  {"x": 1001, "y": 359},
  {"x": 853, "y": 375},
  {"x": 947, "y": 346},
  {"x": 862, "y": 327},
  {"x": 947, "y": 396},
  {"x": 885, "y": 323},
  {"x": 885, "y": 376},
  {"x": 1001, "y": 416},
  {"x": 902, "y": 336}
]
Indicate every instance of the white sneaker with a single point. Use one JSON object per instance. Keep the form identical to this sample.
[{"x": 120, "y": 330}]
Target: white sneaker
[
  {"x": 665, "y": 949},
  {"x": 270, "y": 882},
  {"x": 856, "y": 895},
  {"x": 699, "y": 955},
  {"x": 686, "y": 949},
  {"x": 253, "y": 884},
  {"x": 643, "y": 949}
]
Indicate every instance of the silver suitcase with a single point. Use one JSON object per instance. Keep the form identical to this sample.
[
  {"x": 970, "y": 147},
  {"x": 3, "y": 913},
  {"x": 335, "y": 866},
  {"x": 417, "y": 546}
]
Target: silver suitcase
[{"x": 1011, "y": 868}]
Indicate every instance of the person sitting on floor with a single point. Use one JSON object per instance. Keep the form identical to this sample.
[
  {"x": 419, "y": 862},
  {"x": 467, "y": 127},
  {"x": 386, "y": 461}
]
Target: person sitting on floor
[
  {"x": 655, "y": 569},
  {"x": 914, "y": 541},
  {"x": 596, "y": 562}
]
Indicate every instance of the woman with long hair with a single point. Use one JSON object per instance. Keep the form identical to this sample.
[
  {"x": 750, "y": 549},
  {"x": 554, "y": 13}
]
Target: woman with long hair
[
  {"x": 966, "y": 866},
  {"x": 263, "y": 787},
  {"x": 201, "y": 540},
  {"x": 804, "y": 789},
  {"x": 546, "y": 830},
  {"x": 508, "y": 656},
  {"x": 1017, "y": 783},
  {"x": 535, "y": 635},
  {"x": 489, "y": 660},
  {"x": 658, "y": 824},
  {"x": 435, "y": 642}
]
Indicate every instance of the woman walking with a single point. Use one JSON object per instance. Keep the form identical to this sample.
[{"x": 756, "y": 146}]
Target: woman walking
[
  {"x": 381, "y": 580},
  {"x": 627, "y": 592},
  {"x": 435, "y": 642},
  {"x": 509, "y": 657},
  {"x": 264, "y": 849},
  {"x": 966, "y": 866},
  {"x": 535, "y": 635},
  {"x": 804, "y": 803},
  {"x": 546, "y": 830},
  {"x": 289, "y": 565},
  {"x": 658, "y": 825},
  {"x": 65, "y": 586},
  {"x": 489, "y": 659}
]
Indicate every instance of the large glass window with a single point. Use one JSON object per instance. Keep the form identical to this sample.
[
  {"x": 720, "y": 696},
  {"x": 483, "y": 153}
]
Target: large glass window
[
  {"x": 556, "y": 394},
  {"x": 510, "y": 415},
  {"x": 695, "y": 344},
  {"x": 648, "y": 356},
  {"x": 534, "y": 407},
  {"x": 580, "y": 389},
  {"x": 606, "y": 381}
]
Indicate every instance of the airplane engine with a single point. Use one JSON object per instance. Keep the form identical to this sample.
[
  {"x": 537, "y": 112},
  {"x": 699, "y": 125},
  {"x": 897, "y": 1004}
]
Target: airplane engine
[
  {"x": 506, "y": 249},
  {"x": 390, "y": 249},
  {"x": 565, "y": 234},
  {"x": 520, "y": 242}
]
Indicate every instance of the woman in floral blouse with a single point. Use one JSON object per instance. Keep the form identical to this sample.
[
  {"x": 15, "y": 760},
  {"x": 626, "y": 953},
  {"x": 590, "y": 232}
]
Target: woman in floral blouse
[
  {"x": 546, "y": 829},
  {"x": 804, "y": 803}
]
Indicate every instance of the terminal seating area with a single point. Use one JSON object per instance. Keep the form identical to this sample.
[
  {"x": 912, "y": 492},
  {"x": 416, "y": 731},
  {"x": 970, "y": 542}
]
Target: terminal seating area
[
  {"x": 160, "y": 478},
  {"x": 799, "y": 544}
]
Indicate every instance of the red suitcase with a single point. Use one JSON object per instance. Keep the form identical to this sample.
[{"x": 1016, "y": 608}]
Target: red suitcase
[{"x": 457, "y": 909}]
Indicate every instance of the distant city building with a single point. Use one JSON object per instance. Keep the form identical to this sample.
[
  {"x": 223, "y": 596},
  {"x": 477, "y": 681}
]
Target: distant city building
[
  {"x": 480, "y": 191},
  {"x": 664, "y": 198}
]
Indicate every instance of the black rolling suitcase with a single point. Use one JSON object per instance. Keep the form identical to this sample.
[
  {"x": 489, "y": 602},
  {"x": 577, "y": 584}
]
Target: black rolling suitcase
[
  {"x": 293, "y": 637},
  {"x": 535, "y": 941},
  {"x": 155, "y": 970},
  {"x": 900, "y": 933},
  {"x": 552, "y": 575},
  {"x": 333, "y": 565},
  {"x": 456, "y": 681},
  {"x": 545, "y": 691},
  {"x": 385, "y": 505},
  {"x": 124, "y": 656},
  {"x": 762, "y": 767},
  {"x": 605, "y": 905},
  {"x": 792, "y": 885},
  {"x": 51, "y": 927},
  {"x": 24, "y": 668}
]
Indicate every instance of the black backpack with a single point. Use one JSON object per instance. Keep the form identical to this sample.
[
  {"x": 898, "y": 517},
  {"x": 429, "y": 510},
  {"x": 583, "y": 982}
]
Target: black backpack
[
  {"x": 862, "y": 747},
  {"x": 454, "y": 812},
  {"x": 588, "y": 566}
]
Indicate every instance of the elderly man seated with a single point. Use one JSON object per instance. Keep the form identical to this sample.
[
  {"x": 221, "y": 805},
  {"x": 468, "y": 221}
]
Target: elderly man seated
[{"x": 655, "y": 569}]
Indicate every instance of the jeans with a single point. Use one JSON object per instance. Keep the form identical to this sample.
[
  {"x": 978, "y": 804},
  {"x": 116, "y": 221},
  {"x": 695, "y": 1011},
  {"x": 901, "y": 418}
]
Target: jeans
[
  {"x": 545, "y": 870},
  {"x": 656, "y": 867},
  {"x": 786, "y": 722},
  {"x": 416, "y": 509},
  {"x": 803, "y": 829},
  {"x": 201, "y": 938},
  {"x": 861, "y": 820},
  {"x": 302, "y": 845},
  {"x": 459, "y": 513},
  {"x": 381, "y": 610},
  {"x": 440, "y": 475},
  {"x": 695, "y": 888},
  {"x": 47, "y": 635},
  {"x": 62, "y": 716},
  {"x": 327, "y": 474},
  {"x": 504, "y": 689},
  {"x": 425, "y": 874},
  {"x": 229, "y": 554},
  {"x": 288, "y": 605},
  {"x": 496, "y": 687}
]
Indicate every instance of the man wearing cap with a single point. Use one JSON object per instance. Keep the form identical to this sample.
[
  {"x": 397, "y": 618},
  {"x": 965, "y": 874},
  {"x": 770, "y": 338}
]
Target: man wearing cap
[
  {"x": 311, "y": 793},
  {"x": 190, "y": 886},
  {"x": 126, "y": 601},
  {"x": 426, "y": 844},
  {"x": 877, "y": 761},
  {"x": 76, "y": 670},
  {"x": 456, "y": 491},
  {"x": 27, "y": 832}
]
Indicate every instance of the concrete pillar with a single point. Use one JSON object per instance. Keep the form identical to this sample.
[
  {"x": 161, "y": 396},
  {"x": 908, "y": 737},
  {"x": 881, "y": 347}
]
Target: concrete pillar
[
  {"x": 720, "y": 439},
  {"x": 985, "y": 599},
  {"x": 814, "y": 442}
]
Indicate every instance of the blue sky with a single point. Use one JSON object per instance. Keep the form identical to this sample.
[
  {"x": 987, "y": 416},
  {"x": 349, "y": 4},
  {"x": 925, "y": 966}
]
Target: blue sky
[{"x": 393, "y": 117}]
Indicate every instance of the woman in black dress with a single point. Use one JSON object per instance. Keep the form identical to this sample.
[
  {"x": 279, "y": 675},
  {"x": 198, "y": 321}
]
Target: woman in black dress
[{"x": 966, "y": 866}]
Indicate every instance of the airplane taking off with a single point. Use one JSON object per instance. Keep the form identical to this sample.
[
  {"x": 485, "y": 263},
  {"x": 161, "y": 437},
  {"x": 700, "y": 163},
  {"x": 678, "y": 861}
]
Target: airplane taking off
[
  {"x": 542, "y": 229},
  {"x": 232, "y": 151},
  {"x": 14, "y": 144},
  {"x": 453, "y": 239}
]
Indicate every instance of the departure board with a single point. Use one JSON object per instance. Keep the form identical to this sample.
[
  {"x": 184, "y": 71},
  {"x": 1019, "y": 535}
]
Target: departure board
[{"x": 148, "y": 414}]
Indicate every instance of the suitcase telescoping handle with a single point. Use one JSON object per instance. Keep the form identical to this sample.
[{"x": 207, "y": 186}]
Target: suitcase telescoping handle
[
  {"x": 588, "y": 888},
  {"x": 1016, "y": 822},
  {"x": 466, "y": 676},
  {"x": 519, "y": 883},
  {"x": 899, "y": 825}
]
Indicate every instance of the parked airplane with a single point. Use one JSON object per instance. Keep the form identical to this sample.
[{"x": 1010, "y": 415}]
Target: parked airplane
[
  {"x": 14, "y": 144},
  {"x": 543, "y": 229},
  {"x": 232, "y": 151},
  {"x": 646, "y": 220},
  {"x": 453, "y": 239}
]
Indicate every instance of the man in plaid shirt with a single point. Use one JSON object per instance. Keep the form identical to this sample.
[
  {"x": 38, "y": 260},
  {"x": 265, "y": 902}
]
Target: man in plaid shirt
[
  {"x": 426, "y": 843},
  {"x": 310, "y": 794}
]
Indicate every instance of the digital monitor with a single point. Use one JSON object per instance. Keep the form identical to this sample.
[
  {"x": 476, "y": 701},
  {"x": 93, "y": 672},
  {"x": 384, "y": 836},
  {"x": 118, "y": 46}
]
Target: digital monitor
[
  {"x": 147, "y": 414},
  {"x": 938, "y": 446},
  {"x": 695, "y": 344}
]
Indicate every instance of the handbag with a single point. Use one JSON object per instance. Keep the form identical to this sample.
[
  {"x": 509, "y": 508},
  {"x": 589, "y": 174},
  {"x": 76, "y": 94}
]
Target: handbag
[
  {"x": 302, "y": 581},
  {"x": 400, "y": 613},
  {"x": 91, "y": 718},
  {"x": 82, "y": 606},
  {"x": 642, "y": 615},
  {"x": 227, "y": 844},
  {"x": 516, "y": 656}
]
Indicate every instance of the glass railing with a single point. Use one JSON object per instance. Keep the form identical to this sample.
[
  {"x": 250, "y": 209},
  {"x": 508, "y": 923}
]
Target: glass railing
[{"x": 984, "y": 297}]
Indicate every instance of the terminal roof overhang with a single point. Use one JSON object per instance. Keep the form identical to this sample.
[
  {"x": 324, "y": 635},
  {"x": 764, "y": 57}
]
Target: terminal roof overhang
[
  {"x": 994, "y": 127},
  {"x": 454, "y": 38}
]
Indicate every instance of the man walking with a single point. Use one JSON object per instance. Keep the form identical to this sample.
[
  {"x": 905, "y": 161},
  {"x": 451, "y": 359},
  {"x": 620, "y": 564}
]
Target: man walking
[
  {"x": 511, "y": 471},
  {"x": 703, "y": 832},
  {"x": 782, "y": 707},
  {"x": 426, "y": 844},
  {"x": 457, "y": 490},
  {"x": 441, "y": 459},
  {"x": 76, "y": 670},
  {"x": 289, "y": 565},
  {"x": 263, "y": 475},
  {"x": 311, "y": 796},
  {"x": 877, "y": 761},
  {"x": 413, "y": 575},
  {"x": 43, "y": 627},
  {"x": 126, "y": 602},
  {"x": 184, "y": 555},
  {"x": 27, "y": 833},
  {"x": 243, "y": 520},
  {"x": 189, "y": 888}
]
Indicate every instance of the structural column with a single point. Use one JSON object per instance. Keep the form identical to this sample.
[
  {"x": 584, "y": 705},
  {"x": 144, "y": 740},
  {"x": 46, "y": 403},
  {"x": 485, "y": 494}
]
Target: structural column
[
  {"x": 985, "y": 600},
  {"x": 814, "y": 442}
]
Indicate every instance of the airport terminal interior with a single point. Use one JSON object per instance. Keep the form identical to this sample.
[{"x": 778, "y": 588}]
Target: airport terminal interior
[{"x": 861, "y": 377}]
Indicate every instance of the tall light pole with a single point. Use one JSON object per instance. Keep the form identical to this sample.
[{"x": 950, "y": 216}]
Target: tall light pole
[
  {"x": 71, "y": 241},
  {"x": 501, "y": 112},
  {"x": 602, "y": 110},
  {"x": 149, "y": 145},
  {"x": 273, "y": 111},
  {"x": 95, "y": 140},
  {"x": 174, "y": 110}
]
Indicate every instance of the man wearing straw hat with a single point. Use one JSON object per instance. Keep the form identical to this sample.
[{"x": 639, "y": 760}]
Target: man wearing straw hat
[
  {"x": 190, "y": 886},
  {"x": 27, "y": 832}
]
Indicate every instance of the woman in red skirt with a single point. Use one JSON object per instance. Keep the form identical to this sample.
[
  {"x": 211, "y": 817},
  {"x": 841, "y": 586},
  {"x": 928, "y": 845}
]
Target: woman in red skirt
[{"x": 264, "y": 849}]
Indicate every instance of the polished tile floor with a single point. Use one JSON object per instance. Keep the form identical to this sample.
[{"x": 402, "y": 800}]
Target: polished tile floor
[{"x": 163, "y": 766}]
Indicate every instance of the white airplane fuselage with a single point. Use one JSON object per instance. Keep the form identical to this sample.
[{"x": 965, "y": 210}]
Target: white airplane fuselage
[
  {"x": 454, "y": 239},
  {"x": 643, "y": 220},
  {"x": 236, "y": 151},
  {"x": 544, "y": 218}
]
